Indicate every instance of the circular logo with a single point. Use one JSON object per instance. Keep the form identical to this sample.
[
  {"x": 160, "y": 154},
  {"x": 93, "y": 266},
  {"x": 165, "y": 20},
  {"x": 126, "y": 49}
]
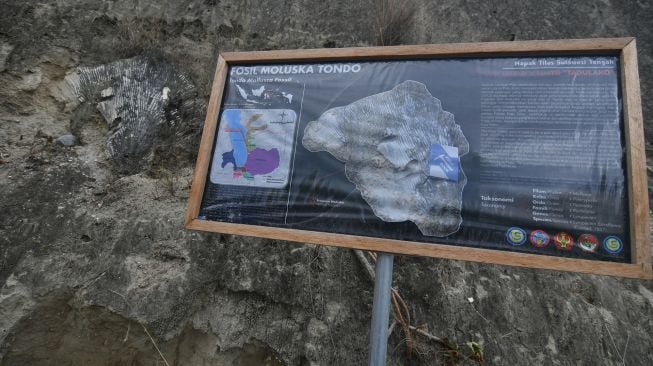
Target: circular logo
[
  {"x": 539, "y": 238},
  {"x": 613, "y": 244},
  {"x": 588, "y": 242},
  {"x": 515, "y": 236},
  {"x": 563, "y": 241}
]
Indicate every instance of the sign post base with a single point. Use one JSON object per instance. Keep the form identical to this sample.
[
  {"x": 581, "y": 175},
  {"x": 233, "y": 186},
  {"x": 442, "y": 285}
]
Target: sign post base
[{"x": 381, "y": 310}]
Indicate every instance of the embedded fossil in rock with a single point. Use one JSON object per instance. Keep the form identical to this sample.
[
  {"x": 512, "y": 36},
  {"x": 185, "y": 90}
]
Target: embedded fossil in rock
[
  {"x": 401, "y": 150},
  {"x": 138, "y": 98}
]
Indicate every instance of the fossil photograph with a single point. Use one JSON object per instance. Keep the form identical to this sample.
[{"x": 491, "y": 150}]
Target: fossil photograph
[{"x": 401, "y": 150}]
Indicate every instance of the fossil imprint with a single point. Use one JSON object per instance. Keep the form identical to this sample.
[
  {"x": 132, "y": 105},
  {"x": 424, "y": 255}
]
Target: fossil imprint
[{"x": 387, "y": 142}]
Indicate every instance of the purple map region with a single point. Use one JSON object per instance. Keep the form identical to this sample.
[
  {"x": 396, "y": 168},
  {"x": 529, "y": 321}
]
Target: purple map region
[{"x": 259, "y": 161}]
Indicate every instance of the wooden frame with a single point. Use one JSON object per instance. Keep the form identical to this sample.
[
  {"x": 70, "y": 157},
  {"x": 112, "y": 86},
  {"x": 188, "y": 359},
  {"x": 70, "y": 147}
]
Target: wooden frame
[{"x": 640, "y": 266}]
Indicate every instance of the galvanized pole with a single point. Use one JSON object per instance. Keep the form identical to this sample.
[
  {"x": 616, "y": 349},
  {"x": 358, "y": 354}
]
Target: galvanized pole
[{"x": 381, "y": 310}]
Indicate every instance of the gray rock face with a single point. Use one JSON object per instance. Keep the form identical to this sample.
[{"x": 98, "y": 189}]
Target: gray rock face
[
  {"x": 5, "y": 51},
  {"x": 385, "y": 142},
  {"x": 31, "y": 80}
]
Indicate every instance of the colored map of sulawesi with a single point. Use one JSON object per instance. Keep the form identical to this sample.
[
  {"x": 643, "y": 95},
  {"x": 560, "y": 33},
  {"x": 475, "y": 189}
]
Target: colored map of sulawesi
[{"x": 254, "y": 147}]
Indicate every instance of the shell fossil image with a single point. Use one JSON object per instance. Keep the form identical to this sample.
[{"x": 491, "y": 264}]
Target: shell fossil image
[{"x": 387, "y": 142}]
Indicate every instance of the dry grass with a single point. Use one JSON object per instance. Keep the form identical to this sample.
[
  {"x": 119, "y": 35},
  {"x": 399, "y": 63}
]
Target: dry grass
[{"x": 392, "y": 20}]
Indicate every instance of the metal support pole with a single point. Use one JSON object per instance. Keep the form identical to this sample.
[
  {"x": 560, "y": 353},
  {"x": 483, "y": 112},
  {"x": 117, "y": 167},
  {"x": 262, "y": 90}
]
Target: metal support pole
[{"x": 381, "y": 310}]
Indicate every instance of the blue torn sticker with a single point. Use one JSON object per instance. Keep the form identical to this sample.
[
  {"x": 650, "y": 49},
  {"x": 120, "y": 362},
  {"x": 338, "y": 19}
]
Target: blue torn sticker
[{"x": 444, "y": 162}]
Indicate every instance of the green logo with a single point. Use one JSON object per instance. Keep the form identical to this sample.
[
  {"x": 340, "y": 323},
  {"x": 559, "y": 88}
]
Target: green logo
[
  {"x": 613, "y": 245},
  {"x": 515, "y": 236}
]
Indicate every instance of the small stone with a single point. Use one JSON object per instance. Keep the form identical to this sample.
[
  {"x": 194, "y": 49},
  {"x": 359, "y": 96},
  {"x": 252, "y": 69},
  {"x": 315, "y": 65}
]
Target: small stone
[
  {"x": 164, "y": 93},
  {"x": 67, "y": 140},
  {"x": 106, "y": 93}
]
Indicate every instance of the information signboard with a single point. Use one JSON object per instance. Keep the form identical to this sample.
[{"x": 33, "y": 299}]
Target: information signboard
[{"x": 521, "y": 153}]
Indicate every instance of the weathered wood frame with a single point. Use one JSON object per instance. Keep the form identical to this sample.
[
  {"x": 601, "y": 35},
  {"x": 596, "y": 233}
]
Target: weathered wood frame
[{"x": 634, "y": 137}]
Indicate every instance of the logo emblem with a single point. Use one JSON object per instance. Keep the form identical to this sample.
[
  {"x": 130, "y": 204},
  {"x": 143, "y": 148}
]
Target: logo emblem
[
  {"x": 588, "y": 242},
  {"x": 539, "y": 238},
  {"x": 613, "y": 244},
  {"x": 563, "y": 241},
  {"x": 515, "y": 236}
]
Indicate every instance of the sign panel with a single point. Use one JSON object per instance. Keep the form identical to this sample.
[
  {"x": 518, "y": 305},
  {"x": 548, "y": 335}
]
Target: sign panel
[{"x": 520, "y": 158}]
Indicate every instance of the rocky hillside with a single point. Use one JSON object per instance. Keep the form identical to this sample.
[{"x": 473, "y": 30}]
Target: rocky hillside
[{"x": 101, "y": 103}]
